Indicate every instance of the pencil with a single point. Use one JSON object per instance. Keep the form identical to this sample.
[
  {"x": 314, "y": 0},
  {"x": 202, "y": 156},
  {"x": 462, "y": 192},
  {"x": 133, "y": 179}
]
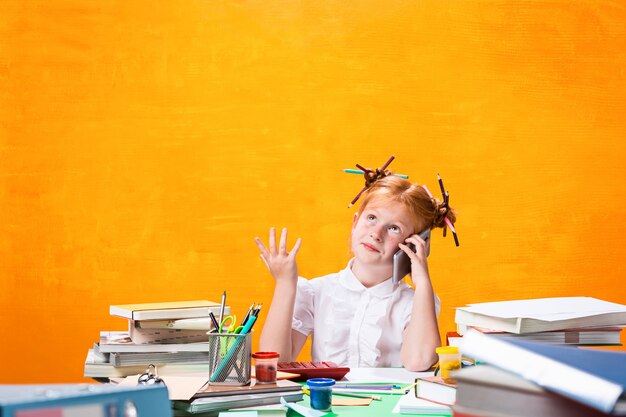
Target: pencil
[
  {"x": 443, "y": 190},
  {"x": 362, "y": 169},
  {"x": 349, "y": 394},
  {"x": 453, "y": 230},
  {"x": 353, "y": 171},
  {"x": 247, "y": 314},
  {"x": 357, "y": 197},
  {"x": 388, "y": 162},
  {"x": 365, "y": 386},
  {"x": 356, "y": 171}
]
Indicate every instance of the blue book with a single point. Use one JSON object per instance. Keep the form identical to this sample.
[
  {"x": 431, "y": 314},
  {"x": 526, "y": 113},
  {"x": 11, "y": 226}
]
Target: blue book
[
  {"x": 593, "y": 377},
  {"x": 88, "y": 400}
]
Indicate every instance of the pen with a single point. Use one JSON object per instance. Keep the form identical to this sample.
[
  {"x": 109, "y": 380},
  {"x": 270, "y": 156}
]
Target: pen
[
  {"x": 216, "y": 325},
  {"x": 222, "y": 306}
]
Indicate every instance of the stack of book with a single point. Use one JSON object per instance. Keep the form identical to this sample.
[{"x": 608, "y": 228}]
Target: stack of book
[
  {"x": 578, "y": 321},
  {"x": 522, "y": 378},
  {"x": 214, "y": 398},
  {"x": 432, "y": 395},
  {"x": 171, "y": 335}
]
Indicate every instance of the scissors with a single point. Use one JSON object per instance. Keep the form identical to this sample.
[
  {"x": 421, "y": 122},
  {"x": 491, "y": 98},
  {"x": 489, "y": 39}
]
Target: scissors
[{"x": 230, "y": 328}]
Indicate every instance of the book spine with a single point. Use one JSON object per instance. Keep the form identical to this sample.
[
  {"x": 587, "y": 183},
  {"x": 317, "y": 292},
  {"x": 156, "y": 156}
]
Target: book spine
[
  {"x": 175, "y": 314},
  {"x": 203, "y": 323},
  {"x": 545, "y": 372},
  {"x": 467, "y": 318}
]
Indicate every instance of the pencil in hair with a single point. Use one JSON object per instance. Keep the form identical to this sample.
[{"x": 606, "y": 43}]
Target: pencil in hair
[
  {"x": 456, "y": 238},
  {"x": 357, "y": 197},
  {"x": 443, "y": 190},
  {"x": 362, "y": 168},
  {"x": 388, "y": 162}
]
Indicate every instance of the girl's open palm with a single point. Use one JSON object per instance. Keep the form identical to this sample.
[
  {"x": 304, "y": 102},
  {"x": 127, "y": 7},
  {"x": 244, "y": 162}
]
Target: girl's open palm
[{"x": 281, "y": 264}]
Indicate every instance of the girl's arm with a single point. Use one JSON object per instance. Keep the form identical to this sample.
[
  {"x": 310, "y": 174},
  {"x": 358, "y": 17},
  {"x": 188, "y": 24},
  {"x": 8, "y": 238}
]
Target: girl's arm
[
  {"x": 277, "y": 335},
  {"x": 421, "y": 336}
]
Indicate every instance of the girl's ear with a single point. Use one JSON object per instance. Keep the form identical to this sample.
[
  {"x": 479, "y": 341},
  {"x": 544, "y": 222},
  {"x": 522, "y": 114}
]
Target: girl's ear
[{"x": 355, "y": 219}]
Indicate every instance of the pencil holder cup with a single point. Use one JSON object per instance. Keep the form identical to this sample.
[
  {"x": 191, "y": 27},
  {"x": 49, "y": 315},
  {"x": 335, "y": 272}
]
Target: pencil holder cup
[{"x": 229, "y": 358}]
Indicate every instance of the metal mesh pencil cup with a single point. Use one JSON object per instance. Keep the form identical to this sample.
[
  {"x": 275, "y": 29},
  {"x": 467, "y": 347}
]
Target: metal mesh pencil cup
[{"x": 229, "y": 358}]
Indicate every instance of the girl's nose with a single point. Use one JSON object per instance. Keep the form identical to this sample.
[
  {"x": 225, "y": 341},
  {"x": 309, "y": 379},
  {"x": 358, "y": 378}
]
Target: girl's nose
[{"x": 375, "y": 233}]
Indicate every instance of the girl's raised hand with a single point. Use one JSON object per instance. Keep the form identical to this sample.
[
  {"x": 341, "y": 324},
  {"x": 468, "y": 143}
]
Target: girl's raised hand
[
  {"x": 281, "y": 264},
  {"x": 419, "y": 265}
]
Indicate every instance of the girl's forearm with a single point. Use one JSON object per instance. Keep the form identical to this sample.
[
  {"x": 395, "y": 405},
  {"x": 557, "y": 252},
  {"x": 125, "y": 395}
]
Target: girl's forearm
[
  {"x": 276, "y": 333},
  {"x": 421, "y": 337}
]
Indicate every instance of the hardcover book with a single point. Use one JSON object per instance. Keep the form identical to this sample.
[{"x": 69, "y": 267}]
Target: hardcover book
[
  {"x": 542, "y": 314},
  {"x": 486, "y": 390},
  {"x": 165, "y": 311},
  {"x": 592, "y": 377},
  {"x": 121, "y": 342},
  {"x": 436, "y": 388},
  {"x": 410, "y": 404}
]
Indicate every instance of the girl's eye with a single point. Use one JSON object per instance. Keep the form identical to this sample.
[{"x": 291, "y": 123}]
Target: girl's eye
[
  {"x": 371, "y": 217},
  {"x": 394, "y": 229}
]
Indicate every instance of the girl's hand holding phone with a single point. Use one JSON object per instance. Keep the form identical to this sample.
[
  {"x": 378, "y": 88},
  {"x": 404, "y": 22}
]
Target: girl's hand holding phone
[
  {"x": 281, "y": 263},
  {"x": 419, "y": 265}
]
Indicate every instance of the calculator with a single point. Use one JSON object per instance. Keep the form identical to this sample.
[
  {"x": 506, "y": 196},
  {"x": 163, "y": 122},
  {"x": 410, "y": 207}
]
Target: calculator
[{"x": 308, "y": 370}]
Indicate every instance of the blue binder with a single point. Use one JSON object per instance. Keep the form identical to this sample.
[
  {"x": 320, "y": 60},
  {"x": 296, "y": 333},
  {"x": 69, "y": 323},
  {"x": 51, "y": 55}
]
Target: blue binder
[{"x": 84, "y": 400}]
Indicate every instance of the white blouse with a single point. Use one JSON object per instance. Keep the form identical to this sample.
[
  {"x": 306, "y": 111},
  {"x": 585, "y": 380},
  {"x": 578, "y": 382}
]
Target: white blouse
[{"x": 350, "y": 324}]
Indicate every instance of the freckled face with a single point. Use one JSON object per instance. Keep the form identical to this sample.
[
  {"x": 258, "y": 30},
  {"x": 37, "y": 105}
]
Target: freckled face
[{"x": 378, "y": 231}]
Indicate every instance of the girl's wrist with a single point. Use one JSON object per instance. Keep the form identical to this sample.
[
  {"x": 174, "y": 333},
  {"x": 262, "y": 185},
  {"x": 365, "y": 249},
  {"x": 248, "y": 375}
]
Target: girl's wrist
[
  {"x": 422, "y": 283},
  {"x": 286, "y": 284}
]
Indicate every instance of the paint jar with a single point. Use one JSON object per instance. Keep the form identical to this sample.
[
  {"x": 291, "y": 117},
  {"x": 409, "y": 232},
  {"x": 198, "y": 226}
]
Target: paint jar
[
  {"x": 449, "y": 360},
  {"x": 321, "y": 390},
  {"x": 265, "y": 364}
]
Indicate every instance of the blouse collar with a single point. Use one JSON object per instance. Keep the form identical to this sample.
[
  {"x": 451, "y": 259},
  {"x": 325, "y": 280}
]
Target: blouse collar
[{"x": 351, "y": 282}]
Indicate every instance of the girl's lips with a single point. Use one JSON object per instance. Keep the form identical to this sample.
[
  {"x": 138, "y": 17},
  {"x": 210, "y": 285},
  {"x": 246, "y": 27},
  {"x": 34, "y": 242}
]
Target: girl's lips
[{"x": 370, "y": 247}]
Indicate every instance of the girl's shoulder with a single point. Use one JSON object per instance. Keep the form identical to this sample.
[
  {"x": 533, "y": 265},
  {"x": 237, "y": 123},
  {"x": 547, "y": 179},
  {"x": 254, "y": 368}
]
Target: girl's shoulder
[
  {"x": 319, "y": 282},
  {"x": 405, "y": 290}
]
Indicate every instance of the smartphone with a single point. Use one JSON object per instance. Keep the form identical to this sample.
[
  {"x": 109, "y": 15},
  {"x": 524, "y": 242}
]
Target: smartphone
[{"x": 402, "y": 262}]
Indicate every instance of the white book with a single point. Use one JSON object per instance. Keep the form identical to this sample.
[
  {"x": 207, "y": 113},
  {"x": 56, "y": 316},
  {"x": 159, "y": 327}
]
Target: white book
[
  {"x": 437, "y": 389},
  {"x": 581, "y": 336},
  {"x": 165, "y": 336},
  {"x": 542, "y": 314},
  {"x": 121, "y": 342},
  {"x": 410, "y": 404},
  {"x": 165, "y": 311},
  {"x": 130, "y": 359},
  {"x": 96, "y": 369},
  {"x": 200, "y": 323}
]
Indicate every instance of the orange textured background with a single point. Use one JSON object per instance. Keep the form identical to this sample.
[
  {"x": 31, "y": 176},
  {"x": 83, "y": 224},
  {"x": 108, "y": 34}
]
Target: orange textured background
[{"x": 144, "y": 145}]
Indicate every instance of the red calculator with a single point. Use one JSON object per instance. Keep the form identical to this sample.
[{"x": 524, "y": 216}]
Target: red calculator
[{"x": 308, "y": 370}]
